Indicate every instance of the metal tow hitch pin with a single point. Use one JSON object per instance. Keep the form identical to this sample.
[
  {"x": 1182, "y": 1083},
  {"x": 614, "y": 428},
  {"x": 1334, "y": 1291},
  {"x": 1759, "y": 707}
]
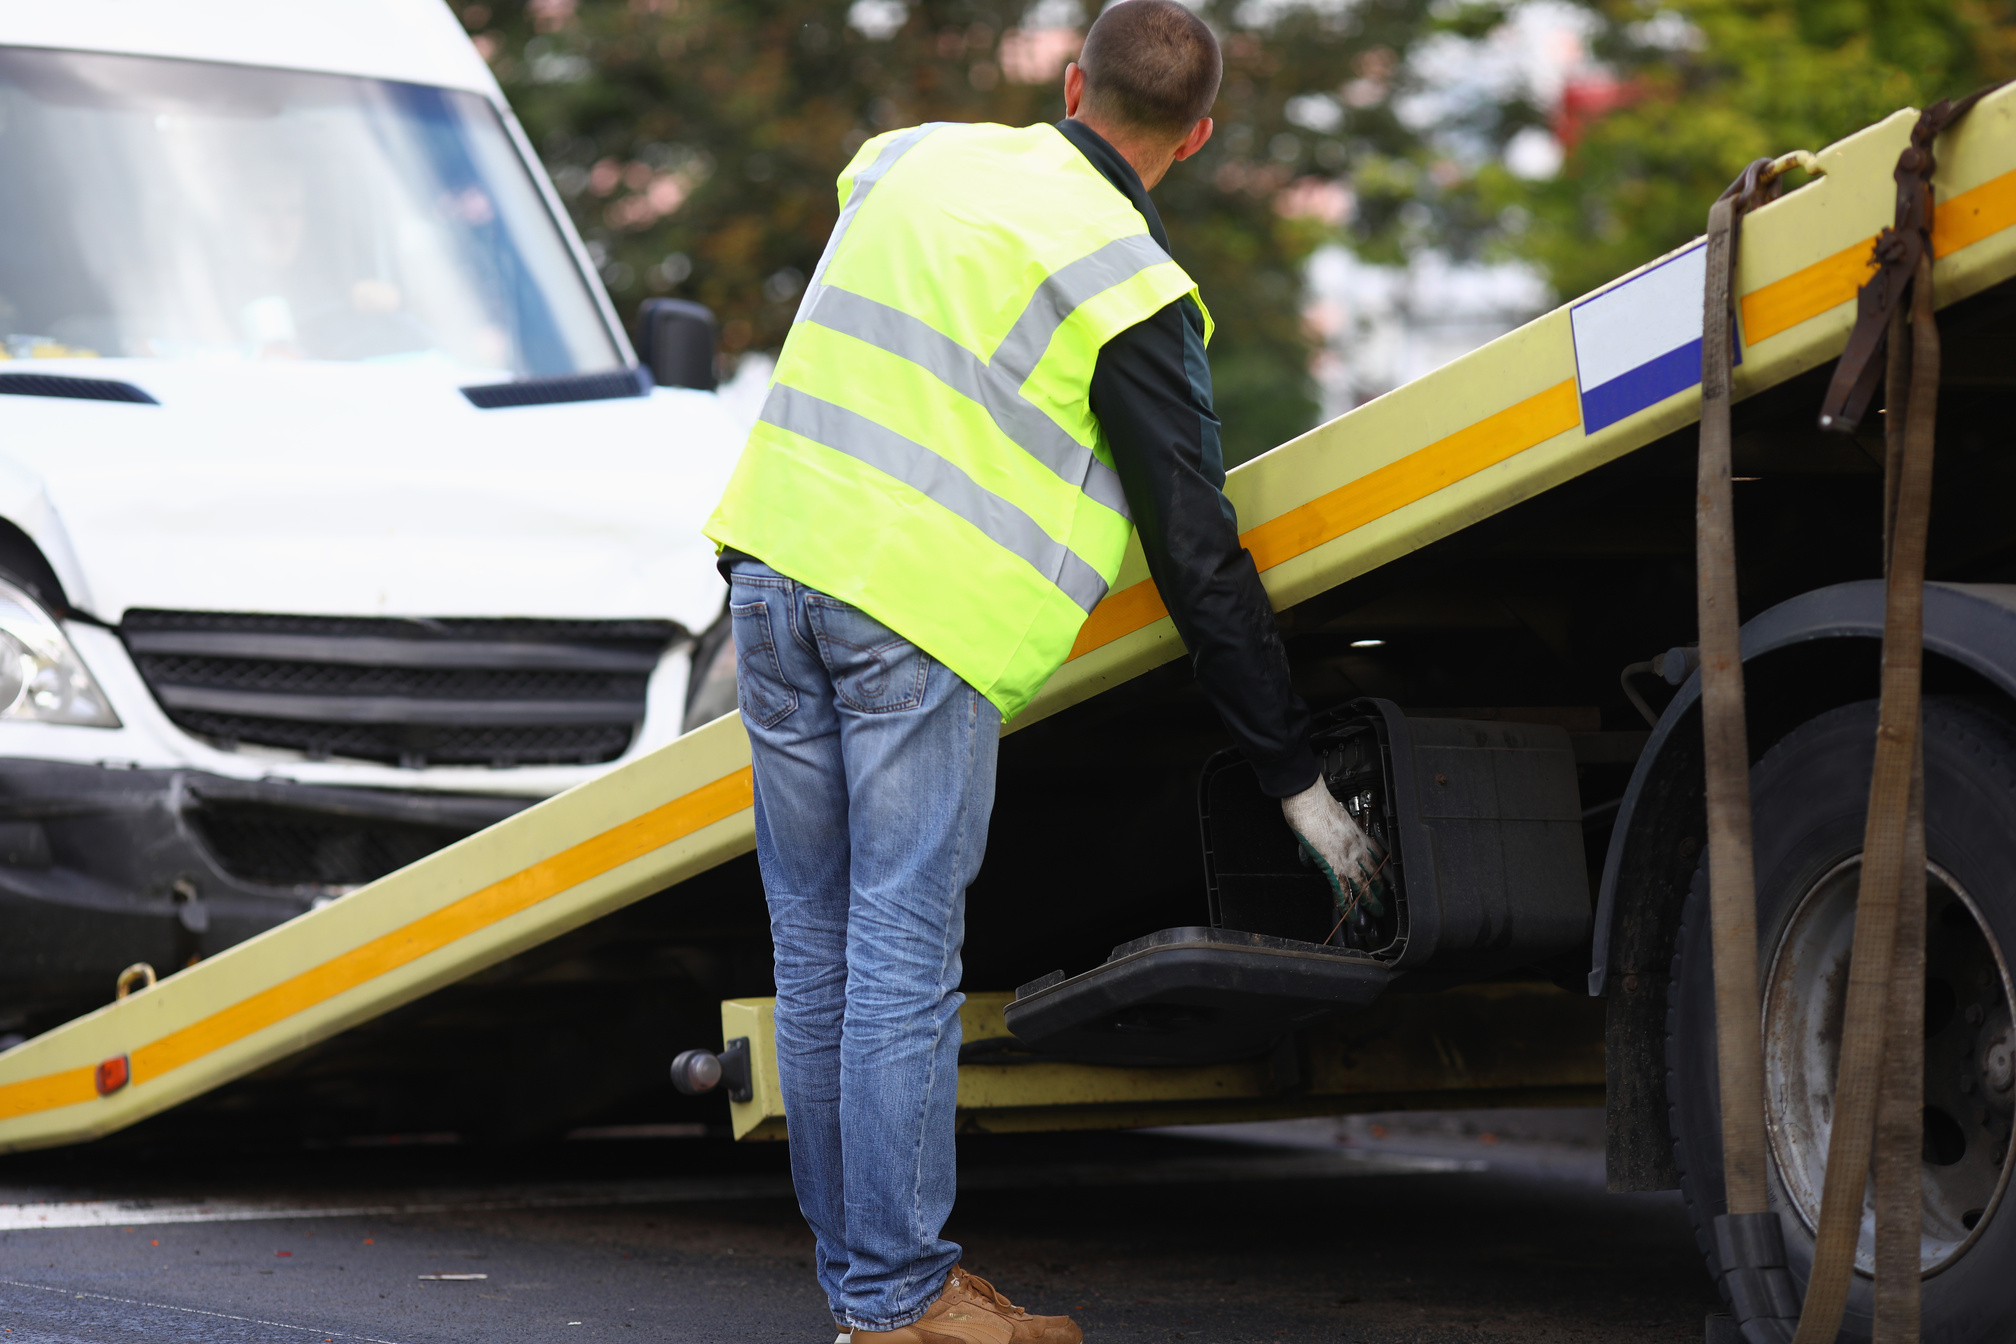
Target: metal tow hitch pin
[{"x": 698, "y": 1071}]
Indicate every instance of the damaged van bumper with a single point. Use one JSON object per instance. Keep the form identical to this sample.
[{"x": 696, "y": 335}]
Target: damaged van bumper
[{"x": 102, "y": 867}]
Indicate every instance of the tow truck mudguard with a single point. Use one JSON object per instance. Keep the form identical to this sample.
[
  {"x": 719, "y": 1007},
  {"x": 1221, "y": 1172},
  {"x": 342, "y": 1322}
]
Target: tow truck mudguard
[{"x": 1801, "y": 657}]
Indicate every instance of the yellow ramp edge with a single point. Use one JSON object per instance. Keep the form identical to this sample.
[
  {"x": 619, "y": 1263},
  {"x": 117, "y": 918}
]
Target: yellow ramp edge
[
  {"x": 634, "y": 831},
  {"x": 1475, "y": 1045},
  {"x": 1480, "y": 435},
  {"x": 1502, "y": 424}
]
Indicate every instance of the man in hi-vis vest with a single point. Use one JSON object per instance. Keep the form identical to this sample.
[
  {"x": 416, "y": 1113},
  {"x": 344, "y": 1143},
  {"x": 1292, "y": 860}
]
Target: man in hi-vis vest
[{"x": 995, "y": 367}]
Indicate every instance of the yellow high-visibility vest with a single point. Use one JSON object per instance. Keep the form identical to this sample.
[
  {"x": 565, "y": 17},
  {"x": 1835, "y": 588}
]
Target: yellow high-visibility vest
[{"x": 927, "y": 451}]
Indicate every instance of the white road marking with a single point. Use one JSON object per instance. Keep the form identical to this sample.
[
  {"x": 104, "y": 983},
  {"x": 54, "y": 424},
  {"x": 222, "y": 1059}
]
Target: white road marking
[
  {"x": 28, "y": 1216},
  {"x": 134, "y": 1213},
  {"x": 193, "y": 1311}
]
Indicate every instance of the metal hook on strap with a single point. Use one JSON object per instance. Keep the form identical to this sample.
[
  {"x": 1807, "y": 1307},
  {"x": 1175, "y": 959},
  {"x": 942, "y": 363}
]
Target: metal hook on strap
[
  {"x": 139, "y": 974},
  {"x": 1805, "y": 160},
  {"x": 1759, "y": 184}
]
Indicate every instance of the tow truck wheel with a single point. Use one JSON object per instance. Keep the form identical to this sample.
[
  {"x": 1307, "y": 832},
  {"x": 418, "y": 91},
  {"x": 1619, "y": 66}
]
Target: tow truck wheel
[{"x": 1810, "y": 796}]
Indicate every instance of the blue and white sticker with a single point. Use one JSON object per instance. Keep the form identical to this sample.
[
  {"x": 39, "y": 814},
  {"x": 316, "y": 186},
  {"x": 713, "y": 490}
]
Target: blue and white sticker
[{"x": 1640, "y": 343}]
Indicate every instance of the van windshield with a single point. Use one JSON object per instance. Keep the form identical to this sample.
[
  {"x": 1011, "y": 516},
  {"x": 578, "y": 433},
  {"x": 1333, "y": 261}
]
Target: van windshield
[{"x": 166, "y": 209}]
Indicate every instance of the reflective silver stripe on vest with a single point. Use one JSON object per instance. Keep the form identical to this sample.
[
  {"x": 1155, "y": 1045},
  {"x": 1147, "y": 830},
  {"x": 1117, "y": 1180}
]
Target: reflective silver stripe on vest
[
  {"x": 916, "y": 340},
  {"x": 942, "y": 482},
  {"x": 997, "y": 383},
  {"x": 856, "y": 195},
  {"x": 1064, "y": 292}
]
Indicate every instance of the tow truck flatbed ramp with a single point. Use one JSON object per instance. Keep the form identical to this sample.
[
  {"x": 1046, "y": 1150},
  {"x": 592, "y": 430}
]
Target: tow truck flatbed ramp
[{"x": 1575, "y": 389}]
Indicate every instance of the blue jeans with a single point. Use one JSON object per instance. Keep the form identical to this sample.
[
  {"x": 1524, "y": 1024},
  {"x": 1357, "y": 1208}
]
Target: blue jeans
[{"x": 874, "y": 769}]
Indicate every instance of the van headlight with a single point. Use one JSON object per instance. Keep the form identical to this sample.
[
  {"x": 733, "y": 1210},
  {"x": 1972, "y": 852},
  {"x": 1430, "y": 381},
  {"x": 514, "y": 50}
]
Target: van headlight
[{"x": 41, "y": 677}]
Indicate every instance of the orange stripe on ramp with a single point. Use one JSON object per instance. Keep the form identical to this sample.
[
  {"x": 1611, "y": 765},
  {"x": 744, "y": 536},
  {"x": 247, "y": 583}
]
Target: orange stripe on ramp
[
  {"x": 1135, "y": 607},
  {"x": 1416, "y": 476},
  {"x": 1960, "y": 222},
  {"x": 521, "y": 891},
  {"x": 1372, "y": 496},
  {"x": 48, "y": 1092},
  {"x": 1784, "y": 304},
  {"x": 430, "y": 933},
  {"x": 1974, "y": 215}
]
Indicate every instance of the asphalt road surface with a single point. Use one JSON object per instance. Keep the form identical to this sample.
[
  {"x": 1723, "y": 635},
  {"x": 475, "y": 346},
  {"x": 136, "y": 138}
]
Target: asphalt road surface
[{"x": 1382, "y": 1230}]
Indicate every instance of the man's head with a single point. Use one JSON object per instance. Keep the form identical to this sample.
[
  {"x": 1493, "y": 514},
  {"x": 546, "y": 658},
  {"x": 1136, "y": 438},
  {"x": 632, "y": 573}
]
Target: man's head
[{"x": 1145, "y": 80}]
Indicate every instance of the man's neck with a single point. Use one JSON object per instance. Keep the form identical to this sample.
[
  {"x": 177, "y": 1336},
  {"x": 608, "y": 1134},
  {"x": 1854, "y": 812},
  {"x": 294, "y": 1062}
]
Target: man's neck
[
  {"x": 1116, "y": 170},
  {"x": 1148, "y": 160}
]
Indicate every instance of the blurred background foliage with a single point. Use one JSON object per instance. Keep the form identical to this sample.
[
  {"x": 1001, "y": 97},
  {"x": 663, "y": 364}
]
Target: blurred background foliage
[
  {"x": 697, "y": 141},
  {"x": 1709, "y": 85}
]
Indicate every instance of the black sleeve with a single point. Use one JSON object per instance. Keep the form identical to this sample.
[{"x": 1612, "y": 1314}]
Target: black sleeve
[{"x": 1151, "y": 391}]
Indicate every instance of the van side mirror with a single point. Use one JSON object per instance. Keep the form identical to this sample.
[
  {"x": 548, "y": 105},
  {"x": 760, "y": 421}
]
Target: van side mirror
[{"x": 676, "y": 340}]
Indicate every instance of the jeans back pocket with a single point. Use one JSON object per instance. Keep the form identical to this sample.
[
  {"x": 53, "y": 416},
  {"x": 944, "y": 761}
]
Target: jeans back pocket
[
  {"x": 874, "y": 669},
  {"x": 761, "y": 691}
]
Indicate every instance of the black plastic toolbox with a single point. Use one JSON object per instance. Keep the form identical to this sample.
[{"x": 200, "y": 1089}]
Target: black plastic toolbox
[{"x": 1484, "y": 871}]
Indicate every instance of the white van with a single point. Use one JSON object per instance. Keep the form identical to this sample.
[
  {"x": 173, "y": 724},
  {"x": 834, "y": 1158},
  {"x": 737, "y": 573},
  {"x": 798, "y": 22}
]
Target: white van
[{"x": 338, "y": 517}]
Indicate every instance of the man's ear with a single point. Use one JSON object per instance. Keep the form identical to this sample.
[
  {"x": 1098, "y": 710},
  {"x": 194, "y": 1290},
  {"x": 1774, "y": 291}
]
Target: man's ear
[
  {"x": 1199, "y": 134},
  {"x": 1074, "y": 88}
]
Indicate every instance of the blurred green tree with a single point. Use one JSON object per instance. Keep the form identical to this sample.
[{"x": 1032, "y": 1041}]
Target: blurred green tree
[
  {"x": 697, "y": 142},
  {"x": 1705, "y": 86}
]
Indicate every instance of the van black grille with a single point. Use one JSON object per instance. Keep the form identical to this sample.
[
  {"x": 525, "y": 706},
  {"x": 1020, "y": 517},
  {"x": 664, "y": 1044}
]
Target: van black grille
[{"x": 416, "y": 692}]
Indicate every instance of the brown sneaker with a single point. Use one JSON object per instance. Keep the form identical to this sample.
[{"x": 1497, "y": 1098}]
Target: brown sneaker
[{"x": 970, "y": 1310}]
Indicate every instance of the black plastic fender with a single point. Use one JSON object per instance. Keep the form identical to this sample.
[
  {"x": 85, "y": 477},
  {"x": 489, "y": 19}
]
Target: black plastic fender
[
  {"x": 1801, "y": 658},
  {"x": 1973, "y": 625}
]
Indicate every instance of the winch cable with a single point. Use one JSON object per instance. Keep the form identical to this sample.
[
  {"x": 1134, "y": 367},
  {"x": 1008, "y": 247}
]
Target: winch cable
[{"x": 1883, "y": 1015}]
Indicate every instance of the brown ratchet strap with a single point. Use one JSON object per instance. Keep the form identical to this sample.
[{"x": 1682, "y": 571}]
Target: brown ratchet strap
[
  {"x": 1749, "y": 1246},
  {"x": 1900, "y": 1116},
  {"x": 1898, "y": 249},
  {"x": 1878, "y": 1100},
  {"x": 1866, "y": 1082},
  {"x": 1878, "y": 1093}
]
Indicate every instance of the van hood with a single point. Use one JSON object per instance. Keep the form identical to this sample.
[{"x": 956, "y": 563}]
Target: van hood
[{"x": 349, "y": 489}]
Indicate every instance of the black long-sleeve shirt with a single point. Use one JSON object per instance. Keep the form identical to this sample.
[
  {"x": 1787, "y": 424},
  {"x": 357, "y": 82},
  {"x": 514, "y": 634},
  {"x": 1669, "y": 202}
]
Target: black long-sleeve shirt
[{"x": 1151, "y": 391}]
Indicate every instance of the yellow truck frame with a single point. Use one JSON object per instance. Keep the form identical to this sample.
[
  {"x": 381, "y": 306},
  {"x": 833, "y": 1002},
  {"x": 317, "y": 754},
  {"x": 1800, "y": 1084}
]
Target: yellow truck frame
[{"x": 1498, "y": 427}]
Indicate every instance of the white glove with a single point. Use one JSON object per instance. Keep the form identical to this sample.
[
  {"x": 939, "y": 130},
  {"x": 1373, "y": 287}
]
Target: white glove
[{"x": 1347, "y": 855}]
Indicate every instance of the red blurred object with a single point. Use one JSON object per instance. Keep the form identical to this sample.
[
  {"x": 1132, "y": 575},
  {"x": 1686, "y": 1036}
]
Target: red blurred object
[
  {"x": 113, "y": 1074},
  {"x": 1586, "y": 100}
]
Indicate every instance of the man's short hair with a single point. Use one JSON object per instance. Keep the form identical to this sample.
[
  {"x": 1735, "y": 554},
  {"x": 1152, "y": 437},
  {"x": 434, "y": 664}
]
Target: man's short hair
[{"x": 1152, "y": 65}]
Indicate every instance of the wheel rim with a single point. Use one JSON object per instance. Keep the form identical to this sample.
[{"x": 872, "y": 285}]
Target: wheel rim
[{"x": 1968, "y": 1063}]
